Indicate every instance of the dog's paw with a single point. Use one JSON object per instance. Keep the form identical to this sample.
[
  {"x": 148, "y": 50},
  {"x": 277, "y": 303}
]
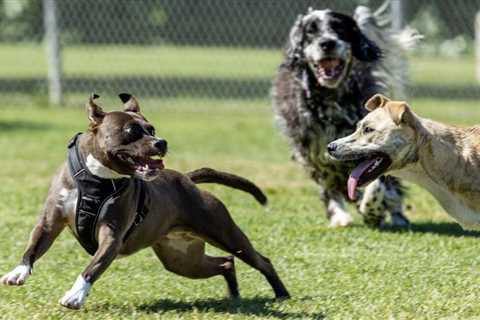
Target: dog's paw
[
  {"x": 17, "y": 276},
  {"x": 75, "y": 297},
  {"x": 400, "y": 221},
  {"x": 340, "y": 219}
]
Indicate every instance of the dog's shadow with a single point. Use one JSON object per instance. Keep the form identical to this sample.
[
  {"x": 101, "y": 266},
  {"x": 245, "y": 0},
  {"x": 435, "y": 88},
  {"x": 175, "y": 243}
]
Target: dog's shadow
[
  {"x": 450, "y": 229},
  {"x": 257, "y": 306}
]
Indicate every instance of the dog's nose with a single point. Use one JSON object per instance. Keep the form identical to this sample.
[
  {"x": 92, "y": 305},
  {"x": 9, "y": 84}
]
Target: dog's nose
[
  {"x": 331, "y": 147},
  {"x": 328, "y": 44},
  {"x": 161, "y": 145}
]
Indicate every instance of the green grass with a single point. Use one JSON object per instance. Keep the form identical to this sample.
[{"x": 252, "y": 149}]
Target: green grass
[
  {"x": 27, "y": 60},
  {"x": 443, "y": 71},
  {"x": 430, "y": 272}
]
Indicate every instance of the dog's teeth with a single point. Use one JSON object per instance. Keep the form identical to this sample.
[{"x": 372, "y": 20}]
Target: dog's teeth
[
  {"x": 375, "y": 165},
  {"x": 156, "y": 157}
]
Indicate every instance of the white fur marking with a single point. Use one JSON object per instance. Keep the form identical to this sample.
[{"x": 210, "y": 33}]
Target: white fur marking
[
  {"x": 99, "y": 170},
  {"x": 69, "y": 198},
  {"x": 180, "y": 241},
  {"x": 320, "y": 14},
  {"x": 75, "y": 297},
  {"x": 338, "y": 216},
  {"x": 17, "y": 276},
  {"x": 373, "y": 190}
]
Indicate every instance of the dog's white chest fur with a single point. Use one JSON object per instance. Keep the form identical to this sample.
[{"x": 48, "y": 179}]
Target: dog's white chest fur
[
  {"x": 68, "y": 203},
  {"x": 467, "y": 217}
]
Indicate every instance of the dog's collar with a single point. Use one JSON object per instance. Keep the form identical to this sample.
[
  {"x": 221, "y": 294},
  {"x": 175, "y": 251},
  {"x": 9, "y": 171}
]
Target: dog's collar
[
  {"x": 78, "y": 167},
  {"x": 94, "y": 193}
]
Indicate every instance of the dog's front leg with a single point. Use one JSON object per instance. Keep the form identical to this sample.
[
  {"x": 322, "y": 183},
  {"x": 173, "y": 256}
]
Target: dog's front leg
[
  {"x": 337, "y": 214},
  {"x": 108, "y": 248},
  {"x": 42, "y": 236}
]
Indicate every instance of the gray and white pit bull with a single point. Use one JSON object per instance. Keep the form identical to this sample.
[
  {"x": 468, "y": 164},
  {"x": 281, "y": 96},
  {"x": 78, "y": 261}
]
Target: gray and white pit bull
[{"x": 181, "y": 218}]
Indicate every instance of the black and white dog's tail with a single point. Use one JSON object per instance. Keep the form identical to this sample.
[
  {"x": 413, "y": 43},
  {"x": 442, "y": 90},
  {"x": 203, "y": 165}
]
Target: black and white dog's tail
[
  {"x": 208, "y": 175},
  {"x": 393, "y": 68}
]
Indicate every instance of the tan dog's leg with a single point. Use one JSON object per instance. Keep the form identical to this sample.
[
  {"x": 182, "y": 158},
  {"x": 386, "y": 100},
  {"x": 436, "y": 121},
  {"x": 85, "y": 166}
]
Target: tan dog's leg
[
  {"x": 42, "y": 236},
  {"x": 109, "y": 245},
  {"x": 186, "y": 257}
]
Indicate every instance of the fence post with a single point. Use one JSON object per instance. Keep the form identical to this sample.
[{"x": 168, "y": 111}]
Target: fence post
[
  {"x": 477, "y": 45},
  {"x": 54, "y": 59},
  {"x": 397, "y": 12}
]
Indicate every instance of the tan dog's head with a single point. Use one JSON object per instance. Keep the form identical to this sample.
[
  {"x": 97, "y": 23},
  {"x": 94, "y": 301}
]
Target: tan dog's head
[
  {"x": 124, "y": 141},
  {"x": 383, "y": 141}
]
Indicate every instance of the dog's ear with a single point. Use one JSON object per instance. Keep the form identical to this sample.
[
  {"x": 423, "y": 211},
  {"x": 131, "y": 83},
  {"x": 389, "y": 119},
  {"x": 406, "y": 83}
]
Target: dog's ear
[
  {"x": 294, "y": 47},
  {"x": 130, "y": 103},
  {"x": 363, "y": 48},
  {"x": 401, "y": 113},
  {"x": 377, "y": 101},
  {"x": 95, "y": 112}
]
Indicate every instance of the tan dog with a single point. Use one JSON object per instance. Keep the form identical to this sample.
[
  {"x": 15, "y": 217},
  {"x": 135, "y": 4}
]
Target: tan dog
[
  {"x": 443, "y": 159},
  {"x": 117, "y": 199}
]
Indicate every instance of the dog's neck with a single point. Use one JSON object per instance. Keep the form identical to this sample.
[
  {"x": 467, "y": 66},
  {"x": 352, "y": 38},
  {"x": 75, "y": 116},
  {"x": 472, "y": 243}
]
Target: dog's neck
[
  {"x": 88, "y": 150},
  {"x": 101, "y": 171},
  {"x": 448, "y": 166}
]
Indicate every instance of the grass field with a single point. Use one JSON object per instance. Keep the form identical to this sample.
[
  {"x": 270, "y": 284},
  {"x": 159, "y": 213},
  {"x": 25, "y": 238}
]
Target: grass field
[
  {"x": 28, "y": 60},
  {"x": 429, "y": 272}
]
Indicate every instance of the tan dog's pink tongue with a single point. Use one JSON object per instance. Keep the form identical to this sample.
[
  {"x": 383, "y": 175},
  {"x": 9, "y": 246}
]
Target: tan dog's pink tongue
[{"x": 355, "y": 176}]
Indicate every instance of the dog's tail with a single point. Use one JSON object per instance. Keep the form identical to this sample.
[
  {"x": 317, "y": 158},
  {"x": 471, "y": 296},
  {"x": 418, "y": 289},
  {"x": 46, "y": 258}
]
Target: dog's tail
[
  {"x": 393, "y": 69},
  {"x": 208, "y": 175}
]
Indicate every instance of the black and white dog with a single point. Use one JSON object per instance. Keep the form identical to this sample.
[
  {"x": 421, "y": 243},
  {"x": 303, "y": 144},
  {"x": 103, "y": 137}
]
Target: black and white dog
[{"x": 333, "y": 63}]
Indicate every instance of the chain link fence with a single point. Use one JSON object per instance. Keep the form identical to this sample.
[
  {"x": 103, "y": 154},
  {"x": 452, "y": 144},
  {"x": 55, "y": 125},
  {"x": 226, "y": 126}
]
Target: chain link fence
[{"x": 208, "y": 48}]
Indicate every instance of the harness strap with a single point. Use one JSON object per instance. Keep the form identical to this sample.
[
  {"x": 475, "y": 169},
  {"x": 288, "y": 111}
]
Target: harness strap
[
  {"x": 142, "y": 211},
  {"x": 93, "y": 192}
]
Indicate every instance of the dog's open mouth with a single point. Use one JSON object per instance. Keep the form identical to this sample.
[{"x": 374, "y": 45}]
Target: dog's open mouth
[
  {"x": 367, "y": 170},
  {"x": 144, "y": 166},
  {"x": 329, "y": 68}
]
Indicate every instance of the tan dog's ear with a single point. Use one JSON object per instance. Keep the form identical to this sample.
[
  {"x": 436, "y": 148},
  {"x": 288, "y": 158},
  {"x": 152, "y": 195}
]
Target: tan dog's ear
[
  {"x": 377, "y": 101},
  {"x": 95, "y": 112},
  {"x": 129, "y": 102},
  {"x": 401, "y": 113}
]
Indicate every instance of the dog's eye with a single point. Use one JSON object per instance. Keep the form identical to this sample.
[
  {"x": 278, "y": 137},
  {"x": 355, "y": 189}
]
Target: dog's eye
[
  {"x": 312, "y": 28},
  {"x": 135, "y": 132},
  {"x": 368, "y": 130},
  {"x": 151, "y": 131}
]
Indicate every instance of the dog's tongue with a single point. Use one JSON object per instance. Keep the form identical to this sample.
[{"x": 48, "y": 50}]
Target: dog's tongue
[
  {"x": 156, "y": 164},
  {"x": 355, "y": 177},
  {"x": 329, "y": 67},
  {"x": 329, "y": 63}
]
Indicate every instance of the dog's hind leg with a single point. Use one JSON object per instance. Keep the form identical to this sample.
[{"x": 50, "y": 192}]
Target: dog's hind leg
[
  {"x": 216, "y": 224},
  {"x": 237, "y": 243},
  {"x": 49, "y": 226},
  {"x": 185, "y": 255}
]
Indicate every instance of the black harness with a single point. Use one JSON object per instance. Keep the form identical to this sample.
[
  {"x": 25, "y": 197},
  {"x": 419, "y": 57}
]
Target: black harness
[{"x": 93, "y": 195}]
